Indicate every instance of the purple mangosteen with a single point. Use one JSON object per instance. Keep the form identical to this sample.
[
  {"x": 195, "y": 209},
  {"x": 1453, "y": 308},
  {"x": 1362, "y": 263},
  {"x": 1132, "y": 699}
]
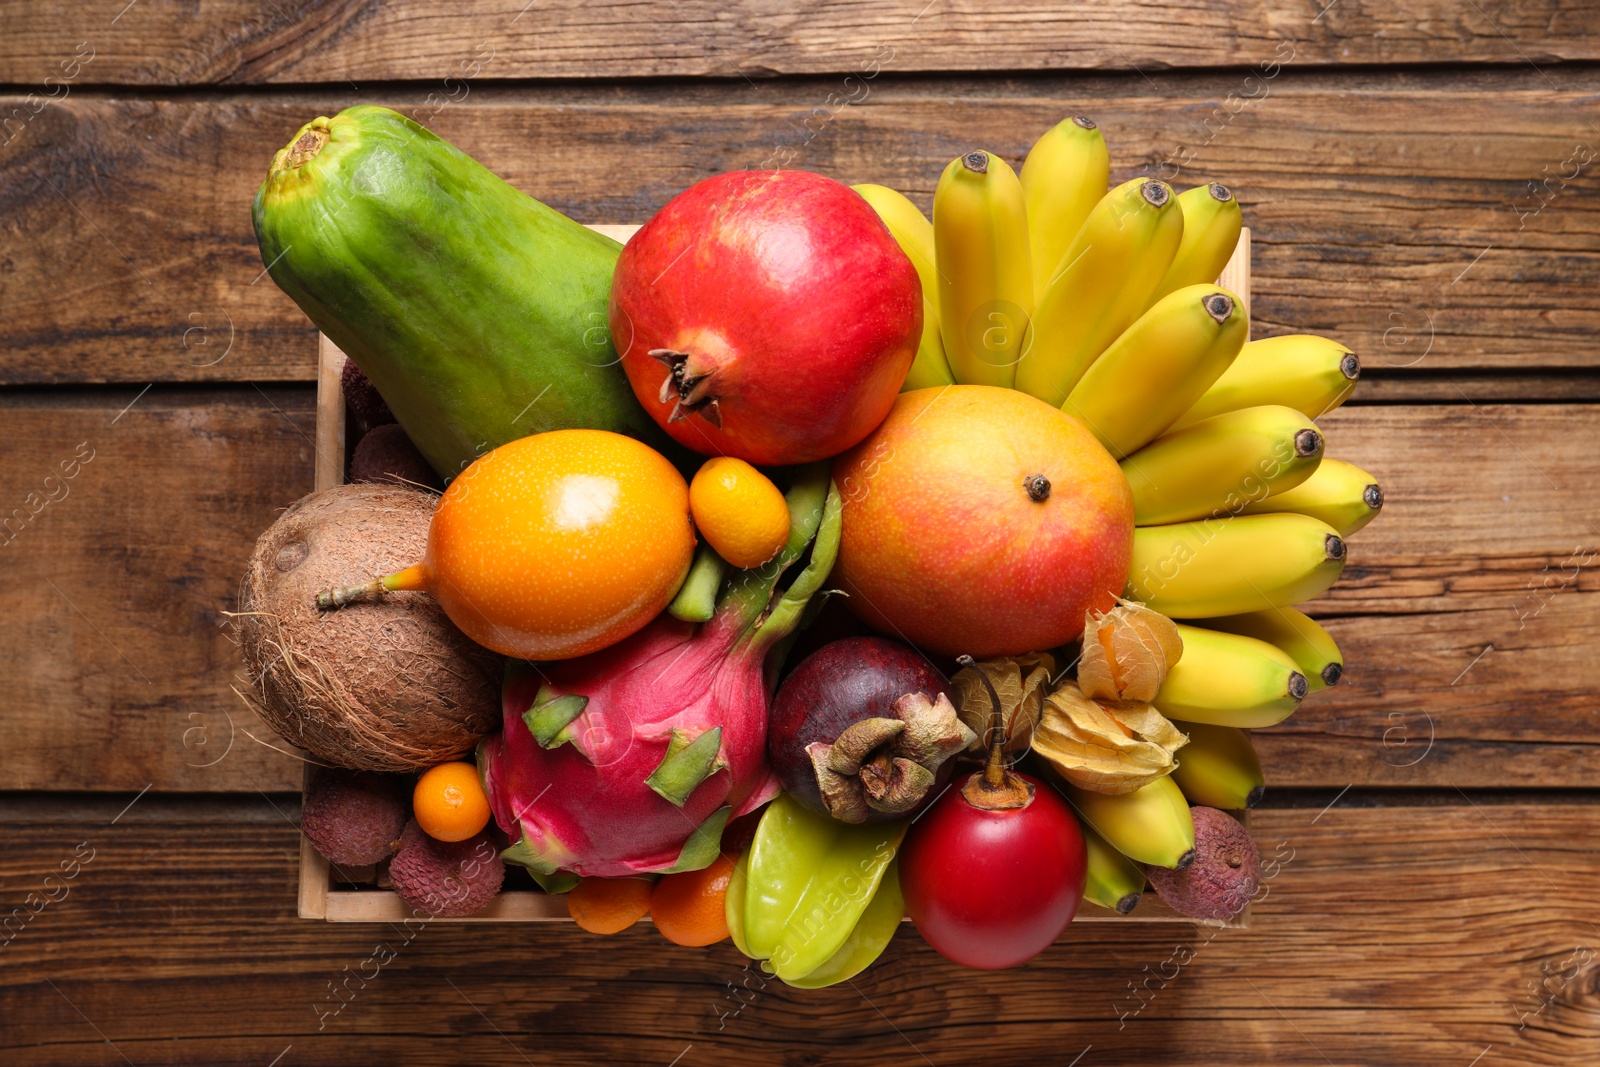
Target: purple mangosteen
[{"x": 862, "y": 730}]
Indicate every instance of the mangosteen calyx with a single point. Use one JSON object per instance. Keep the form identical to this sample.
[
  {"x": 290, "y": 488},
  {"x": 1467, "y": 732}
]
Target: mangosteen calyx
[{"x": 888, "y": 764}]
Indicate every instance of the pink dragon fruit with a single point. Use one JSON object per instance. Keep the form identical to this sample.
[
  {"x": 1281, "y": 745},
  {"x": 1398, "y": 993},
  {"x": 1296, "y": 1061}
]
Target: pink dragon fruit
[{"x": 633, "y": 759}]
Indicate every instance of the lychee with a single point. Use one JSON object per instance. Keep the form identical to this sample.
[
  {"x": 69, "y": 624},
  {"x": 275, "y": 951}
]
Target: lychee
[
  {"x": 354, "y": 817},
  {"x": 386, "y": 454},
  {"x": 1223, "y": 877},
  {"x": 366, "y": 405},
  {"x": 446, "y": 879}
]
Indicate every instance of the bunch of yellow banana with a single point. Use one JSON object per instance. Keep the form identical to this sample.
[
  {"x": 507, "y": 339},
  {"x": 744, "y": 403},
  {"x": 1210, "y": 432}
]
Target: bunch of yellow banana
[
  {"x": 1220, "y": 768},
  {"x": 1104, "y": 301}
]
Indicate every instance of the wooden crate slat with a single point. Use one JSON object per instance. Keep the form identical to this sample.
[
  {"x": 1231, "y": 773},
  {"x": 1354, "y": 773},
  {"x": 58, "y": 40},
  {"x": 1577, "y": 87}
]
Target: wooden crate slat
[{"x": 234, "y": 42}]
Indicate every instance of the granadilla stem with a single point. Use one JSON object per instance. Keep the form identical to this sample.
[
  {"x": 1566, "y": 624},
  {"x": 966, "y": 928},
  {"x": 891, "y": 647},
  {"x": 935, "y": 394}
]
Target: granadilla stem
[{"x": 412, "y": 577}]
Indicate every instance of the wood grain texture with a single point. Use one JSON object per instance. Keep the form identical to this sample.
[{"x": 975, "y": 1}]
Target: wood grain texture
[
  {"x": 1393, "y": 212},
  {"x": 353, "y": 41},
  {"x": 1418, "y": 935},
  {"x": 1447, "y": 607},
  {"x": 118, "y": 661},
  {"x": 1488, "y": 537}
]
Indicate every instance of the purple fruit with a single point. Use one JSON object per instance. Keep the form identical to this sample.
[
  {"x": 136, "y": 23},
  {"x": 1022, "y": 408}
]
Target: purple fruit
[
  {"x": 367, "y": 407},
  {"x": 446, "y": 879},
  {"x": 386, "y": 454},
  {"x": 862, "y": 730},
  {"x": 1223, "y": 878},
  {"x": 353, "y": 817}
]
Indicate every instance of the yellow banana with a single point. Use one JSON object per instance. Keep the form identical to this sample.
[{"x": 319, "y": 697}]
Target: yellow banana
[
  {"x": 1311, "y": 374},
  {"x": 1063, "y": 178},
  {"x": 914, "y": 233},
  {"x": 1211, "y": 225},
  {"x": 1114, "y": 881},
  {"x": 1219, "y": 466},
  {"x": 1200, "y": 570},
  {"x": 1230, "y": 680},
  {"x": 1149, "y": 825},
  {"x": 1103, "y": 282},
  {"x": 1159, "y": 366},
  {"x": 1295, "y": 633},
  {"x": 1340, "y": 494},
  {"x": 980, "y": 236},
  {"x": 1219, "y": 768}
]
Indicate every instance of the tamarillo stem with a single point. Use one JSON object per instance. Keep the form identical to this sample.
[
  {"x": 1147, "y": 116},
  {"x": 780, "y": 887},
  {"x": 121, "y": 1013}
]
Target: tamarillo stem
[{"x": 996, "y": 787}]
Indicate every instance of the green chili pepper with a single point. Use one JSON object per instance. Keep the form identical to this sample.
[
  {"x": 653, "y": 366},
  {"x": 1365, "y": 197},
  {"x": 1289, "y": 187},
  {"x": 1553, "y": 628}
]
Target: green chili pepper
[{"x": 807, "y": 882}]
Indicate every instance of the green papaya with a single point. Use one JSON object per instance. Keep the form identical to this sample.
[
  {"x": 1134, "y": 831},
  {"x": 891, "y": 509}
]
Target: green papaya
[{"x": 477, "y": 312}]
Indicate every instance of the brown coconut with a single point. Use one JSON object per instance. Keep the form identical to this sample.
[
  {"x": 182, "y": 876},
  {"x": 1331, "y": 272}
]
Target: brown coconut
[{"x": 385, "y": 685}]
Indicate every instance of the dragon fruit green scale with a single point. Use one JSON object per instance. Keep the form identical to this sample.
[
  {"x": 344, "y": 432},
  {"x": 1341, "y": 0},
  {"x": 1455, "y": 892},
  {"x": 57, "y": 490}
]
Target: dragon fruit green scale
[{"x": 631, "y": 760}]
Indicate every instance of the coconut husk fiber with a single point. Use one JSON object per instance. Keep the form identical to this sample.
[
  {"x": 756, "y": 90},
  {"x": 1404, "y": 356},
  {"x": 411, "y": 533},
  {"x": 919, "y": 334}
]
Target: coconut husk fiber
[{"x": 384, "y": 685}]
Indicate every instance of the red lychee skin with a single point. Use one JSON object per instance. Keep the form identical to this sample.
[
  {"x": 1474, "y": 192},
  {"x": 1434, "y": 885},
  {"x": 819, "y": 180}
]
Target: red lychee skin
[
  {"x": 354, "y": 817},
  {"x": 446, "y": 879},
  {"x": 386, "y": 454},
  {"x": 367, "y": 407},
  {"x": 1224, "y": 876},
  {"x": 787, "y": 288}
]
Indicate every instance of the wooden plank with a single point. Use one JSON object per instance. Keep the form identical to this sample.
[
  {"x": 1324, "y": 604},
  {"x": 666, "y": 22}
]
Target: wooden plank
[
  {"x": 118, "y": 661},
  {"x": 1235, "y": 276},
  {"x": 235, "y": 42},
  {"x": 1393, "y": 213},
  {"x": 312, "y": 879},
  {"x": 330, "y": 415},
  {"x": 1383, "y": 387},
  {"x": 1486, "y": 539},
  {"x": 1388, "y": 935},
  {"x": 1446, "y": 608}
]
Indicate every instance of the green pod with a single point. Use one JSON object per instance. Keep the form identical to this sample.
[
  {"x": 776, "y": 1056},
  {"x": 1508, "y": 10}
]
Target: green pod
[{"x": 479, "y": 313}]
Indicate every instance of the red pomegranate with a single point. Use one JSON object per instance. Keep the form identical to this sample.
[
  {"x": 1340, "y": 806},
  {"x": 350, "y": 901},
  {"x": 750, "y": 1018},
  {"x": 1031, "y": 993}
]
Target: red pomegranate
[{"x": 767, "y": 315}]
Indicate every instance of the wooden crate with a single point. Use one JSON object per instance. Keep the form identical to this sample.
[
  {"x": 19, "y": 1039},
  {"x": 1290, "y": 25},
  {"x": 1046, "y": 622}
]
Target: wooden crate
[{"x": 322, "y": 897}]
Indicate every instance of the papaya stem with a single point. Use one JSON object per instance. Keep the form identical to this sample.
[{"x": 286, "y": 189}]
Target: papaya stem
[{"x": 304, "y": 148}]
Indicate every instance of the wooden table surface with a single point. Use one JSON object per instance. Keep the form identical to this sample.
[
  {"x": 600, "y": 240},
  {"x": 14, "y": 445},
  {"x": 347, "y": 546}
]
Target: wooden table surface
[{"x": 1419, "y": 178}]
